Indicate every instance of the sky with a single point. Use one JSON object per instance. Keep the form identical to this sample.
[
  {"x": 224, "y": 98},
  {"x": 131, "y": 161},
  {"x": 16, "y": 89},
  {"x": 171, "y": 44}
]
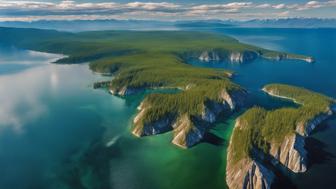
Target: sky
[{"x": 166, "y": 10}]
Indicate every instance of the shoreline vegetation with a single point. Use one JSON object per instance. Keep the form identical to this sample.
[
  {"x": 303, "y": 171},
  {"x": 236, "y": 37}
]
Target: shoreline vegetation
[
  {"x": 264, "y": 140},
  {"x": 149, "y": 60}
]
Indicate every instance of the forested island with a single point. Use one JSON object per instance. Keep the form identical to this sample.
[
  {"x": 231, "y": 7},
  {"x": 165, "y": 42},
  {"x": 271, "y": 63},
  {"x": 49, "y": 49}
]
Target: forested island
[{"x": 142, "y": 60}]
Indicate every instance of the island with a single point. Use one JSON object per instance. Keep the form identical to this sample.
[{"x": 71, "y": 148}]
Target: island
[{"x": 266, "y": 140}]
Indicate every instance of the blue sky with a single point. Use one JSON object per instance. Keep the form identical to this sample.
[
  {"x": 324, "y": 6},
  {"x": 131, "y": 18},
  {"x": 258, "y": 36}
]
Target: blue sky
[{"x": 30, "y": 10}]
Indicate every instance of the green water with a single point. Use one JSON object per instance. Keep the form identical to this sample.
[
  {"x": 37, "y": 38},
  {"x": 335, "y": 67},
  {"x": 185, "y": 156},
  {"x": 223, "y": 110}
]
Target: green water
[{"x": 57, "y": 132}]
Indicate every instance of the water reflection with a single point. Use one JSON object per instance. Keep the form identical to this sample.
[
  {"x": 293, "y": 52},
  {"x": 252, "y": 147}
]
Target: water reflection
[{"x": 49, "y": 113}]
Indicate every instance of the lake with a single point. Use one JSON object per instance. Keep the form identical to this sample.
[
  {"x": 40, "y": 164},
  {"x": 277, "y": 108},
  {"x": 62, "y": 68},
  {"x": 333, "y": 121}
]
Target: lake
[{"x": 56, "y": 131}]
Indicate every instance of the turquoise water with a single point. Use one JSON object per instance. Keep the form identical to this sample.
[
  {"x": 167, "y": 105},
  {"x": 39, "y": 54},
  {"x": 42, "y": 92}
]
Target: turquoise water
[{"x": 58, "y": 132}]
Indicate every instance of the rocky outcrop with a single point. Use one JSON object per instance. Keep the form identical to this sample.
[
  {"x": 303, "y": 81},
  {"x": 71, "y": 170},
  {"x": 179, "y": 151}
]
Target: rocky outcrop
[
  {"x": 280, "y": 57},
  {"x": 247, "y": 173},
  {"x": 305, "y": 129},
  {"x": 234, "y": 57},
  {"x": 290, "y": 153},
  {"x": 188, "y": 130},
  {"x": 243, "y": 56},
  {"x": 125, "y": 91},
  {"x": 208, "y": 56},
  {"x": 157, "y": 127}
]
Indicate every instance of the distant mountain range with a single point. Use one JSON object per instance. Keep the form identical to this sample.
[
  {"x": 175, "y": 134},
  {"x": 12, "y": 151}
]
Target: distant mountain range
[
  {"x": 292, "y": 23},
  {"x": 271, "y": 23},
  {"x": 87, "y": 25}
]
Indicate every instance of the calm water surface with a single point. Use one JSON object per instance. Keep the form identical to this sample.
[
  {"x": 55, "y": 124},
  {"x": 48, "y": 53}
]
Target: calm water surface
[
  {"x": 320, "y": 76},
  {"x": 57, "y": 132}
]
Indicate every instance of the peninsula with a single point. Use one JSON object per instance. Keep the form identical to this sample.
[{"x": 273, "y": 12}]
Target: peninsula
[{"x": 264, "y": 140}]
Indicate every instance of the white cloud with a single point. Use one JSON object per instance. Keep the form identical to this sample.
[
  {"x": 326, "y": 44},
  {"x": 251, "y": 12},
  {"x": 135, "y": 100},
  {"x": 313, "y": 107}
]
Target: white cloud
[
  {"x": 68, "y": 9},
  {"x": 266, "y": 5},
  {"x": 279, "y": 6},
  {"x": 234, "y": 5},
  {"x": 283, "y": 14},
  {"x": 152, "y": 6},
  {"x": 311, "y": 5}
]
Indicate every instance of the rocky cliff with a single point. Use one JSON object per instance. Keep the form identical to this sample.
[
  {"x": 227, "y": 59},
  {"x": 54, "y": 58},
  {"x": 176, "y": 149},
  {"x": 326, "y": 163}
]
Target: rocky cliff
[
  {"x": 289, "y": 153},
  {"x": 234, "y": 57},
  {"x": 188, "y": 130},
  {"x": 243, "y": 56},
  {"x": 247, "y": 173},
  {"x": 123, "y": 91}
]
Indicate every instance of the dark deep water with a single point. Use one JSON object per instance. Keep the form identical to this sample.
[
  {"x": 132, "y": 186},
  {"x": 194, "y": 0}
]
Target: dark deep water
[
  {"x": 320, "y": 77},
  {"x": 58, "y": 132}
]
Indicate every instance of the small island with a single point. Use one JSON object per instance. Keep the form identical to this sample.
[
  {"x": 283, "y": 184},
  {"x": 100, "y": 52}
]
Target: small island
[{"x": 264, "y": 140}]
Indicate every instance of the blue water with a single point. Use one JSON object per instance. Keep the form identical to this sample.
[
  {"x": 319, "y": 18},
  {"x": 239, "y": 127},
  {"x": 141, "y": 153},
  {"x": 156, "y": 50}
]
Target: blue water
[
  {"x": 319, "y": 76},
  {"x": 56, "y": 131}
]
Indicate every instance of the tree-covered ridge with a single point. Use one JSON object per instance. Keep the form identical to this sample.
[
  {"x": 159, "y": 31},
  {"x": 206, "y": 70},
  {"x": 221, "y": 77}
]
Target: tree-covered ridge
[
  {"x": 258, "y": 128},
  {"x": 137, "y": 58},
  {"x": 98, "y": 44},
  {"x": 300, "y": 95},
  {"x": 191, "y": 102}
]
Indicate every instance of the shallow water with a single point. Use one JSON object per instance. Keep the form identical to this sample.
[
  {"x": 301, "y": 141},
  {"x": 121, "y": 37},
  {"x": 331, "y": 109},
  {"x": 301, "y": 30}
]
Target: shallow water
[{"x": 58, "y": 132}]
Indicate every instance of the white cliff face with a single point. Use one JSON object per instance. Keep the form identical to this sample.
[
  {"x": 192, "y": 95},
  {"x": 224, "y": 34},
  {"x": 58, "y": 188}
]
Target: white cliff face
[
  {"x": 246, "y": 173},
  {"x": 291, "y": 153},
  {"x": 234, "y": 100},
  {"x": 305, "y": 129},
  {"x": 157, "y": 127},
  {"x": 208, "y": 56},
  {"x": 234, "y": 57},
  {"x": 188, "y": 131},
  {"x": 124, "y": 91},
  {"x": 249, "y": 174}
]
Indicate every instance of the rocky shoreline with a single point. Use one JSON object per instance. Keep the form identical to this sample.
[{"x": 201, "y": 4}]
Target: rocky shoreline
[
  {"x": 252, "y": 172},
  {"x": 188, "y": 130},
  {"x": 242, "y": 57}
]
